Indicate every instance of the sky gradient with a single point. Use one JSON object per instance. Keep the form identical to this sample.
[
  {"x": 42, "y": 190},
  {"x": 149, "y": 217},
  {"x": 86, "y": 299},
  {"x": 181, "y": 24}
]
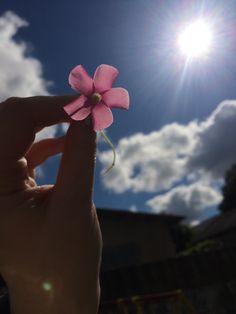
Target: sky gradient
[{"x": 176, "y": 141}]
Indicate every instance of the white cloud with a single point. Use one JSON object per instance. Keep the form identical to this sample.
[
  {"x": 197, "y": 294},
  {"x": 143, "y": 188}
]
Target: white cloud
[
  {"x": 155, "y": 161},
  {"x": 20, "y": 75},
  {"x": 150, "y": 162},
  {"x": 215, "y": 149},
  {"x": 189, "y": 201}
]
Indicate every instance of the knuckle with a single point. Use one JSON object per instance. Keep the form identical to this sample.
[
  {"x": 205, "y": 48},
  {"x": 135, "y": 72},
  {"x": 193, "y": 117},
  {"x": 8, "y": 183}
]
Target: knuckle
[
  {"x": 10, "y": 109},
  {"x": 12, "y": 103},
  {"x": 13, "y": 100}
]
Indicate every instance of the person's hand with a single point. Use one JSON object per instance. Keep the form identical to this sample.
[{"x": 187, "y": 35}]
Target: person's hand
[{"x": 50, "y": 240}]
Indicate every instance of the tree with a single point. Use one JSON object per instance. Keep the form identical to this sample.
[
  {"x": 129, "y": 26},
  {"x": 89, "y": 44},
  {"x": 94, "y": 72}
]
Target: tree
[
  {"x": 182, "y": 235},
  {"x": 229, "y": 191}
]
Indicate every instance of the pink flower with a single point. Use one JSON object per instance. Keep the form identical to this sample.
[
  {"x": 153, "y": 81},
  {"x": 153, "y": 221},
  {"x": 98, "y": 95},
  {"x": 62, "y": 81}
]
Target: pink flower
[{"x": 97, "y": 96}]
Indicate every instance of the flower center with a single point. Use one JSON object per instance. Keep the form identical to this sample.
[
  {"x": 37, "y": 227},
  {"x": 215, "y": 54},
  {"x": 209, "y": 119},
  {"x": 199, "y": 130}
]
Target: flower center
[{"x": 95, "y": 98}]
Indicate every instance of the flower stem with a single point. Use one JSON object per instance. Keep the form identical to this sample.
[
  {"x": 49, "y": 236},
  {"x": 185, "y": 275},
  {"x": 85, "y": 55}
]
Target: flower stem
[{"x": 108, "y": 141}]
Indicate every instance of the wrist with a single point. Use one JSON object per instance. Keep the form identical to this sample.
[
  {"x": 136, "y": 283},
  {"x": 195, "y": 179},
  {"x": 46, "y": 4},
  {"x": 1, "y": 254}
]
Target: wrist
[{"x": 50, "y": 297}]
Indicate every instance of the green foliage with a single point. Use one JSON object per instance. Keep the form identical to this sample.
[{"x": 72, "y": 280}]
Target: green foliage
[
  {"x": 182, "y": 235},
  {"x": 202, "y": 247},
  {"x": 229, "y": 190}
]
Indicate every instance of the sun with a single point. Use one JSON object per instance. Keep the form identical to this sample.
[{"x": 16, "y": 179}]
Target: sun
[{"x": 196, "y": 39}]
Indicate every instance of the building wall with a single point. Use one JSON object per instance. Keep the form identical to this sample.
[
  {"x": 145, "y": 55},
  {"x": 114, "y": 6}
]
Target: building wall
[{"x": 129, "y": 242}]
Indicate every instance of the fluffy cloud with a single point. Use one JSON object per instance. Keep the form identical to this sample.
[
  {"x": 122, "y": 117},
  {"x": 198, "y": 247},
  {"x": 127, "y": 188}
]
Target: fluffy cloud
[
  {"x": 21, "y": 75},
  {"x": 155, "y": 161},
  {"x": 150, "y": 162},
  {"x": 188, "y": 201},
  {"x": 199, "y": 153},
  {"x": 215, "y": 149}
]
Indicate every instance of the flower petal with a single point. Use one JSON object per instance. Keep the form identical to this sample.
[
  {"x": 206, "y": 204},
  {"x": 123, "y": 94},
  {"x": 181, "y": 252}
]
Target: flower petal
[
  {"x": 116, "y": 97},
  {"x": 104, "y": 77},
  {"x": 102, "y": 117},
  {"x": 82, "y": 113},
  {"x": 75, "y": 105},
  {"x": 80, "y": 80}
]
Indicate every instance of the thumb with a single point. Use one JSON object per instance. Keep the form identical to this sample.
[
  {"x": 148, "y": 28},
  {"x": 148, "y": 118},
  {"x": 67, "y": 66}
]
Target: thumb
[{"x": 74, "y": 183}]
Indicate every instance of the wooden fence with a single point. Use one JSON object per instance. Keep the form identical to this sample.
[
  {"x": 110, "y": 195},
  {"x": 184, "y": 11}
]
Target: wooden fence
[{"x": 192, "y": 274}]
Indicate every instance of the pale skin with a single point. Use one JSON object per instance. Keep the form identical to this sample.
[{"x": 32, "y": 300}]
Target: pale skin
[{"x": 50, "y": 239}]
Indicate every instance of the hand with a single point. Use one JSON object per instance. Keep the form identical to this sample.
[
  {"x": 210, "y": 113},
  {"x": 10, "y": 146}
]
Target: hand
[{"x": 50, "y": 240}]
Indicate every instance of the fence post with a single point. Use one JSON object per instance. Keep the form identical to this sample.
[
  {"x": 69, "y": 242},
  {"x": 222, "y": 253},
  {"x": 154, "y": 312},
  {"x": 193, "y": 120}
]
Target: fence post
[
  {"x": 178, "y": 304},
  {"x": 137, "y": 305},
  {"x": 122, "y": 306},
  {"x": 188, "y": 305}
]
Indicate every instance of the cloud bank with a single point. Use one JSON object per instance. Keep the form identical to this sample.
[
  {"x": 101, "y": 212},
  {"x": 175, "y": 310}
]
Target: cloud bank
[{"x": 198, "y": 154}]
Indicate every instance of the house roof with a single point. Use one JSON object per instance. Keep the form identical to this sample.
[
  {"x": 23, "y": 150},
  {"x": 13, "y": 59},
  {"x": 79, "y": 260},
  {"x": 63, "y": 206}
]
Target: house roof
[
  {"x": 216, "y": 225},
  {"x": 126, "y": 214}
]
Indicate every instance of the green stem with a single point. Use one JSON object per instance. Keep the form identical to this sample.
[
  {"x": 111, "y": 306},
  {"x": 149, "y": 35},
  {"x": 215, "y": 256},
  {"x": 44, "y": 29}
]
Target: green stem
[{"x": 107, "y": 140}]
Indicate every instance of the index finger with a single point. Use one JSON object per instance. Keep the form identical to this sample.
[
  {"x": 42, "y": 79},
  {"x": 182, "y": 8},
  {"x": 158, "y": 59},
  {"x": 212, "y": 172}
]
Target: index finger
[
  {"x": 74, "y": 185},
  {"x": 21, "y": 117}
]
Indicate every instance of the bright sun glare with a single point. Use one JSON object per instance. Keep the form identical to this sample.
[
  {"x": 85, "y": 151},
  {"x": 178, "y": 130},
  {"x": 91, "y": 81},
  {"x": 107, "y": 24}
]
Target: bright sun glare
[{"x": 195, "y": 40}]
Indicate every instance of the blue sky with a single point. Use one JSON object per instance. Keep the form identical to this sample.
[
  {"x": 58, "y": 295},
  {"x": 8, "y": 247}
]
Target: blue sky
[{"x": 176, "y": 141}]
